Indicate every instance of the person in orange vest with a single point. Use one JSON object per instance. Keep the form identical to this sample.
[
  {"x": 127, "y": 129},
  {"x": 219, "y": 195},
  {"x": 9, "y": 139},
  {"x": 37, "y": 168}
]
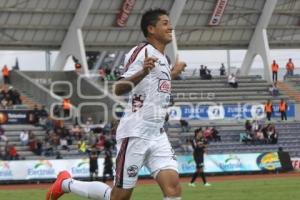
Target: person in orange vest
[
  {"x": 282, "y": 109},
  {"x": 290, "y": 68},
  {"x": 269, "y": 109},
  {"x": 5, "y": 73},
  {"x": 66, "y": 107},
  {"x": 274, "y": 70}
]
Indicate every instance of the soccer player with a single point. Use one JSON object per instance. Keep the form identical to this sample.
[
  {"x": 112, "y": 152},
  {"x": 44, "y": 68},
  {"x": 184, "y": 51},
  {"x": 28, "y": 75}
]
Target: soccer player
[
  {"x": 199, "y": 145},
  {"x": 141, "y": 140},
  {"x": 93, "y": 154}
]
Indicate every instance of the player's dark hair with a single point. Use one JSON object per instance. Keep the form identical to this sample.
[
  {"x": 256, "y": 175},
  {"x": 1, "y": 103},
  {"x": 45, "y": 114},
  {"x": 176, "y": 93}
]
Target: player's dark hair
[{"x": 150, "y": 17}]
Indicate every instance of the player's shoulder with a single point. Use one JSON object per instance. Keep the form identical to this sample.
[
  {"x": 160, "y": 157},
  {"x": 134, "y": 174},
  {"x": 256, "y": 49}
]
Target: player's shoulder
[{"x": 137, "y": 51}]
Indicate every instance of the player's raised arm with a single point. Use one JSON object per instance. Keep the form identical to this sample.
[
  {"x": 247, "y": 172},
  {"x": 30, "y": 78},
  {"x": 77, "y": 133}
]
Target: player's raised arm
[{"x": 125, "y": 85}]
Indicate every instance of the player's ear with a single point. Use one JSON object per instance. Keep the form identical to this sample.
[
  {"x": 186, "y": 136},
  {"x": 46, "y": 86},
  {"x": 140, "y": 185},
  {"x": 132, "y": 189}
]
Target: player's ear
[{"x": 151, "y": 29}]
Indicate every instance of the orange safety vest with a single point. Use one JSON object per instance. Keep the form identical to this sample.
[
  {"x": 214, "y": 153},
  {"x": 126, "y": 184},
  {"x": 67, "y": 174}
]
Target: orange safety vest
[
  {"x": 275, "y": 67},
  {"x": 268, "y": 107},
  {"x": 282, "y": 107},
  {"x": 67, "y": 104},
  {"x": 5, "y": 71},
  {"x": 290, "y": 66}
]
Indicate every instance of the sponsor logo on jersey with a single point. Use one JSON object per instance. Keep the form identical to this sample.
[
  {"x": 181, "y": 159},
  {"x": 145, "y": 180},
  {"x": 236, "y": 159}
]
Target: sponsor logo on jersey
[{"x": 164, "y": 86}]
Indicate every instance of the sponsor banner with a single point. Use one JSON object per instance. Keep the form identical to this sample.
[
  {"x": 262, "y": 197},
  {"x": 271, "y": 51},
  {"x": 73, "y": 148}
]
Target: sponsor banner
[
  {"x": 124, "y": 12},
  {"x": 15, "y": 116},
  {"x": 218, "y": 13},
  {"x": 242, "y": 162},
  {"x": 48, "y": 169},
  {"x": 215, "y": 111},
  {"x": 45, "y": 169},
  {"x": 296, "y": 163},
  {"x": 228, "y": 163}
]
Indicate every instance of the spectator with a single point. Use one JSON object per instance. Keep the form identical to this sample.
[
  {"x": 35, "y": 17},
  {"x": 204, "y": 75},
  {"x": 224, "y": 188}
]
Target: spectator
[
  {"x": 76, "y": 132},
  {"x": 215, "y": 134},
  {"x": 2, "y": 135},
  {"x": 290, "y": 68},
  {"x": 184, "y": 125},
  {"x": 58, "y": 155},
  {"x": 259, "y": 135},
  {"x": 32, "y": 142},
  {"x": 272, "y": 135},
  {"x": 232, "y": 81},
  {"x": 48, "y": 149},
  {"x": 13, "y": 154},
  {"x": 99, "y": 127},
  {"x": 89, "y": 125},
  {"x": 274, "y": 91},
  {"x": 275, "y": 68},
  {"x": 5, "y": 74},
  {"x": 43, "y": 116},
  {"x": 248, "y": 126},
  {"x": 222, "y": 70},
  {"x": 82, "y": 147},
  {"x": 39, "y": 147},
  {"x": 36, "y": 115},
  {"x": 49, "y": 126},
  {"x": 269, "y": 109},
  {"x": 24, "y": 137},
  {"x": 64, "y": 144},
  {"x": 202, "y": 72},
  {"x": 282, "y": 109},
  {"x": 207, "y": 75}
]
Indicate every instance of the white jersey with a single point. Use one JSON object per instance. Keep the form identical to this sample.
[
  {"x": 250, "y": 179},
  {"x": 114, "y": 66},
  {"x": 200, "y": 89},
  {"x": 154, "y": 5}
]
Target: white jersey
[{"x": 148, "y": 101}]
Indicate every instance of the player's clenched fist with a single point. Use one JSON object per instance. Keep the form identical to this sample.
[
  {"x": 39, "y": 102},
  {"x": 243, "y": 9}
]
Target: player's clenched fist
[{"x": 149, "y": 62}]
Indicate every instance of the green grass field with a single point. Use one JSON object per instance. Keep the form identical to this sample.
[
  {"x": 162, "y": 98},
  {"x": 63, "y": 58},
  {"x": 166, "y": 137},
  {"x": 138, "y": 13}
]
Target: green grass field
[{"x": 271, "y": 189}]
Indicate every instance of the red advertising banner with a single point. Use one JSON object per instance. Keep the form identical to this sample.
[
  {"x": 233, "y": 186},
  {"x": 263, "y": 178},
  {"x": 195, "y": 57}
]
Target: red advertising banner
[
  {"x": 218, "y": 13},
  {"x": 124, "y": 12}
]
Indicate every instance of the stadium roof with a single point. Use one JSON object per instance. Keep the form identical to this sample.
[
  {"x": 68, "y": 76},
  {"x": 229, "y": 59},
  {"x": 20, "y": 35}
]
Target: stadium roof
[{"x": 43, "y": 24}]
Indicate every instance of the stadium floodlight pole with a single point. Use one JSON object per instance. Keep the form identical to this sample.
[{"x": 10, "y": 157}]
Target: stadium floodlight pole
[
  {"x": 259, "y": 44},
  {"x": 174, "y": 15},
  {"x": 73, "y": 44}
]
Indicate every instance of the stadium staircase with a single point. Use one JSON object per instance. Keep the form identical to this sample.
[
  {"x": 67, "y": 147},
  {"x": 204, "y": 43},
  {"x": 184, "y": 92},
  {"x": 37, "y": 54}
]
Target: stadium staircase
[
  {"x": 251, "y": 89},
  {"x": 289, "y": 90}
]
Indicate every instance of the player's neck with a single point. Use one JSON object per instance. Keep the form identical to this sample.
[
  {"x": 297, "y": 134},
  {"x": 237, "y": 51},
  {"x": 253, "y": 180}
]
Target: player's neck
[{"x": 157, "y": 45}]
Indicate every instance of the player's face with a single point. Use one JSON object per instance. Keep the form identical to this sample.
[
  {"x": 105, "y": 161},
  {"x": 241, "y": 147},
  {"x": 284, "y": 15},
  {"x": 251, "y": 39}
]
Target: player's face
[{"x": 163, "y": 30}]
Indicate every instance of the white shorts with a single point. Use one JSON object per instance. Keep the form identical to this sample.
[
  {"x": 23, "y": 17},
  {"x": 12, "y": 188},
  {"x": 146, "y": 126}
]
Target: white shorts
[{"x": 133, "y": 153}]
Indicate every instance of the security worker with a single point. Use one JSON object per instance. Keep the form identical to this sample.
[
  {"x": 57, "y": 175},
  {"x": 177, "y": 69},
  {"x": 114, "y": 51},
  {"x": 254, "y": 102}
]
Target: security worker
[
  {"x": 274, "y": 70},
  {"x": 66, "y": 107},
  {"x": 5, "y": 73},
  {"x": 269, "y": 109},
  {"x": 282, "y": 109}
]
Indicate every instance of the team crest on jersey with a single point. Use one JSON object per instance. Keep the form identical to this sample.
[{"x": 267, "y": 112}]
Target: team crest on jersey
[
  {"x": 132, "y": 170},
  {"x": 164, "y": 86},
  {"x": 137, "y": 102}
]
